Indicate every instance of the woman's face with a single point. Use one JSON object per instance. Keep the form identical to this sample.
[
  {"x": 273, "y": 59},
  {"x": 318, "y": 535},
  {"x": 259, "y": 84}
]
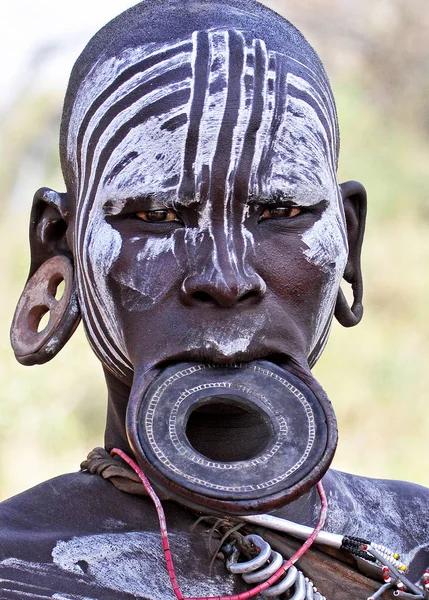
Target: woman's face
[{"x": 209, "y": 222}]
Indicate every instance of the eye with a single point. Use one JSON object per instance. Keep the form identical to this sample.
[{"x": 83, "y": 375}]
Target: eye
[
  {"x": 280, "y": 212},
  {"x": 163, "y": 215}
]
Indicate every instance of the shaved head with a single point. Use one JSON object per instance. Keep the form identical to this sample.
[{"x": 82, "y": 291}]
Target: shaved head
[{"x": 125, "y": 44}]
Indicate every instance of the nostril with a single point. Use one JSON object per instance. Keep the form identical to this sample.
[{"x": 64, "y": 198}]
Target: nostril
[
  {"x": 251, "y": 294},
  {"x": 224, "y": 297},
  {"x": 202, "y": 297}
]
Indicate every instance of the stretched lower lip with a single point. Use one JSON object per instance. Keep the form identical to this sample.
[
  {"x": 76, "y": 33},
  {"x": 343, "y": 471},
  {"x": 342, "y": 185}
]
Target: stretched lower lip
[
  {"x": 282, "y": 360},
  {"x": 238, "y": 437}
]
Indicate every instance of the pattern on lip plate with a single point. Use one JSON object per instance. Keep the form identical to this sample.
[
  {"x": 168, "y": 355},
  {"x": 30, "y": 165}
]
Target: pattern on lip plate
[{"x": 192, "y": 456}]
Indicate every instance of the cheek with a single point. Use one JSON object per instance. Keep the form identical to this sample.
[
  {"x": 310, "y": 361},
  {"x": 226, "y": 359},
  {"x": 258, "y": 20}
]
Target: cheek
[
  {"x": 286, "y": 270},
  {"x": 144, "y": 274},
  {"x": 326, "y": 244},
  {"x": 301, "y": 287},
  {"x": 327, "y": 250}
]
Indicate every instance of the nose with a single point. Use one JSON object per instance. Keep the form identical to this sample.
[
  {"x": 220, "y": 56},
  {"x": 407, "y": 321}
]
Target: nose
[{"x": 224, "y": 289}]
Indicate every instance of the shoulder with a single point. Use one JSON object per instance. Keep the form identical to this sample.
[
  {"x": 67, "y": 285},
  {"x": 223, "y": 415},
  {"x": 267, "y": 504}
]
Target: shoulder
[
  {"x": 78, "y": 534},
  {"x": 33, "y": 524},
  {"x": 393, "y": 513},
  {"x": 76, "y": 504},
  {"x": 68, "y": 505}
]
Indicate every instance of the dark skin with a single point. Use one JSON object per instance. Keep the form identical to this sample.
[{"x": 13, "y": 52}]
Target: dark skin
[{"x": 193, "y": 302}]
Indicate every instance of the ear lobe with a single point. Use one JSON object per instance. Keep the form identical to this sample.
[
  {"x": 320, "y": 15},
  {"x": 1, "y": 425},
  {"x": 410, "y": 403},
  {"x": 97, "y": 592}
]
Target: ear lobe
[
  {"x": 354, "y": 200},
  {"x": 51, "y": 265}
]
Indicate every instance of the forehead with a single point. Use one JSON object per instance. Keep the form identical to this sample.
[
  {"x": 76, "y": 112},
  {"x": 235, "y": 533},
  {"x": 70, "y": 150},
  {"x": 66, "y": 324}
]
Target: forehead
[{"x": 215, "y": 111}]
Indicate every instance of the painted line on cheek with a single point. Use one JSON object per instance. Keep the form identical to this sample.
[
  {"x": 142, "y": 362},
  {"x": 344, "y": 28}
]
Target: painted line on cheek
[
  {"x": 320, "y": 341},
  {"x": 156, "y": 108},
  {"x": 101, "y": 346}
]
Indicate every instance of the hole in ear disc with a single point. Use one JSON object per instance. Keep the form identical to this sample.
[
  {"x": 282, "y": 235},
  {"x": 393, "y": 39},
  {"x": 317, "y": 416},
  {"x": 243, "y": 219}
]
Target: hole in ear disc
[{"x": 38, "y": 318}]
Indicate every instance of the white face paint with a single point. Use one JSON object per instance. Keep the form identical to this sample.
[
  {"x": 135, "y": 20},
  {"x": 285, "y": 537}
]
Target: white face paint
[
  {"x": 229, "y": 342},
  {"x": 213, "y": 124}
]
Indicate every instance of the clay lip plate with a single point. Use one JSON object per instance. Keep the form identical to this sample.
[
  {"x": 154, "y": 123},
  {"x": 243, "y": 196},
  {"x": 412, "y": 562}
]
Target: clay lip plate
[{"x": 300, "y": 417}]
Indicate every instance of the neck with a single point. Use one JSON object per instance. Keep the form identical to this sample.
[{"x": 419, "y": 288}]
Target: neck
[{"x": 118, "y": 396}]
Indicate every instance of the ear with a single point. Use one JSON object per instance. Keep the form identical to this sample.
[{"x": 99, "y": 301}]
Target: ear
[
  {"x": 49, "y": 227},
  {"x": 354, "y": 201},
  {"x": 51, "y": 264}
]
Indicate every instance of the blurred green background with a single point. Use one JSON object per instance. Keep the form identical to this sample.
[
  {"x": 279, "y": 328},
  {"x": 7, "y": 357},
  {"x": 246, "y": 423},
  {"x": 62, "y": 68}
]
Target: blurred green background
[{"x": 377, "y": 374}]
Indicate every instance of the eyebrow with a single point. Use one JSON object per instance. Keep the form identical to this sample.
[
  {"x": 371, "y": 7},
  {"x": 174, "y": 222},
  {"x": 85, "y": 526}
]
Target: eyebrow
[
  {"x": 286, "y": 200},
  {"x": 115, "y": 206},
  {"x": 168, "y": 200},
  {"x": 272, "y": 198}
]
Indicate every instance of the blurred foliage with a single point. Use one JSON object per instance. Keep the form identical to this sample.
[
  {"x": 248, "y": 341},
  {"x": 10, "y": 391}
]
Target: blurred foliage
[
  {"x": 383, "y": 43},
  {"x": 376, "y": 374}
]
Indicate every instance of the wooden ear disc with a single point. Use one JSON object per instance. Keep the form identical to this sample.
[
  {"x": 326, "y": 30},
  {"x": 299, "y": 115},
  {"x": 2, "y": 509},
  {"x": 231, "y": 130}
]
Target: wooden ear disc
[
  {"x": 180, "y": 428},
  {"x": 32, "y": 342}
]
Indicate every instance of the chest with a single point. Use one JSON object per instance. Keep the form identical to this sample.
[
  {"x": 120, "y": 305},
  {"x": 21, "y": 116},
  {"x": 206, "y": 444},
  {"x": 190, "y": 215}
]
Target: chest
[{"x": 120, "y": 566}]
